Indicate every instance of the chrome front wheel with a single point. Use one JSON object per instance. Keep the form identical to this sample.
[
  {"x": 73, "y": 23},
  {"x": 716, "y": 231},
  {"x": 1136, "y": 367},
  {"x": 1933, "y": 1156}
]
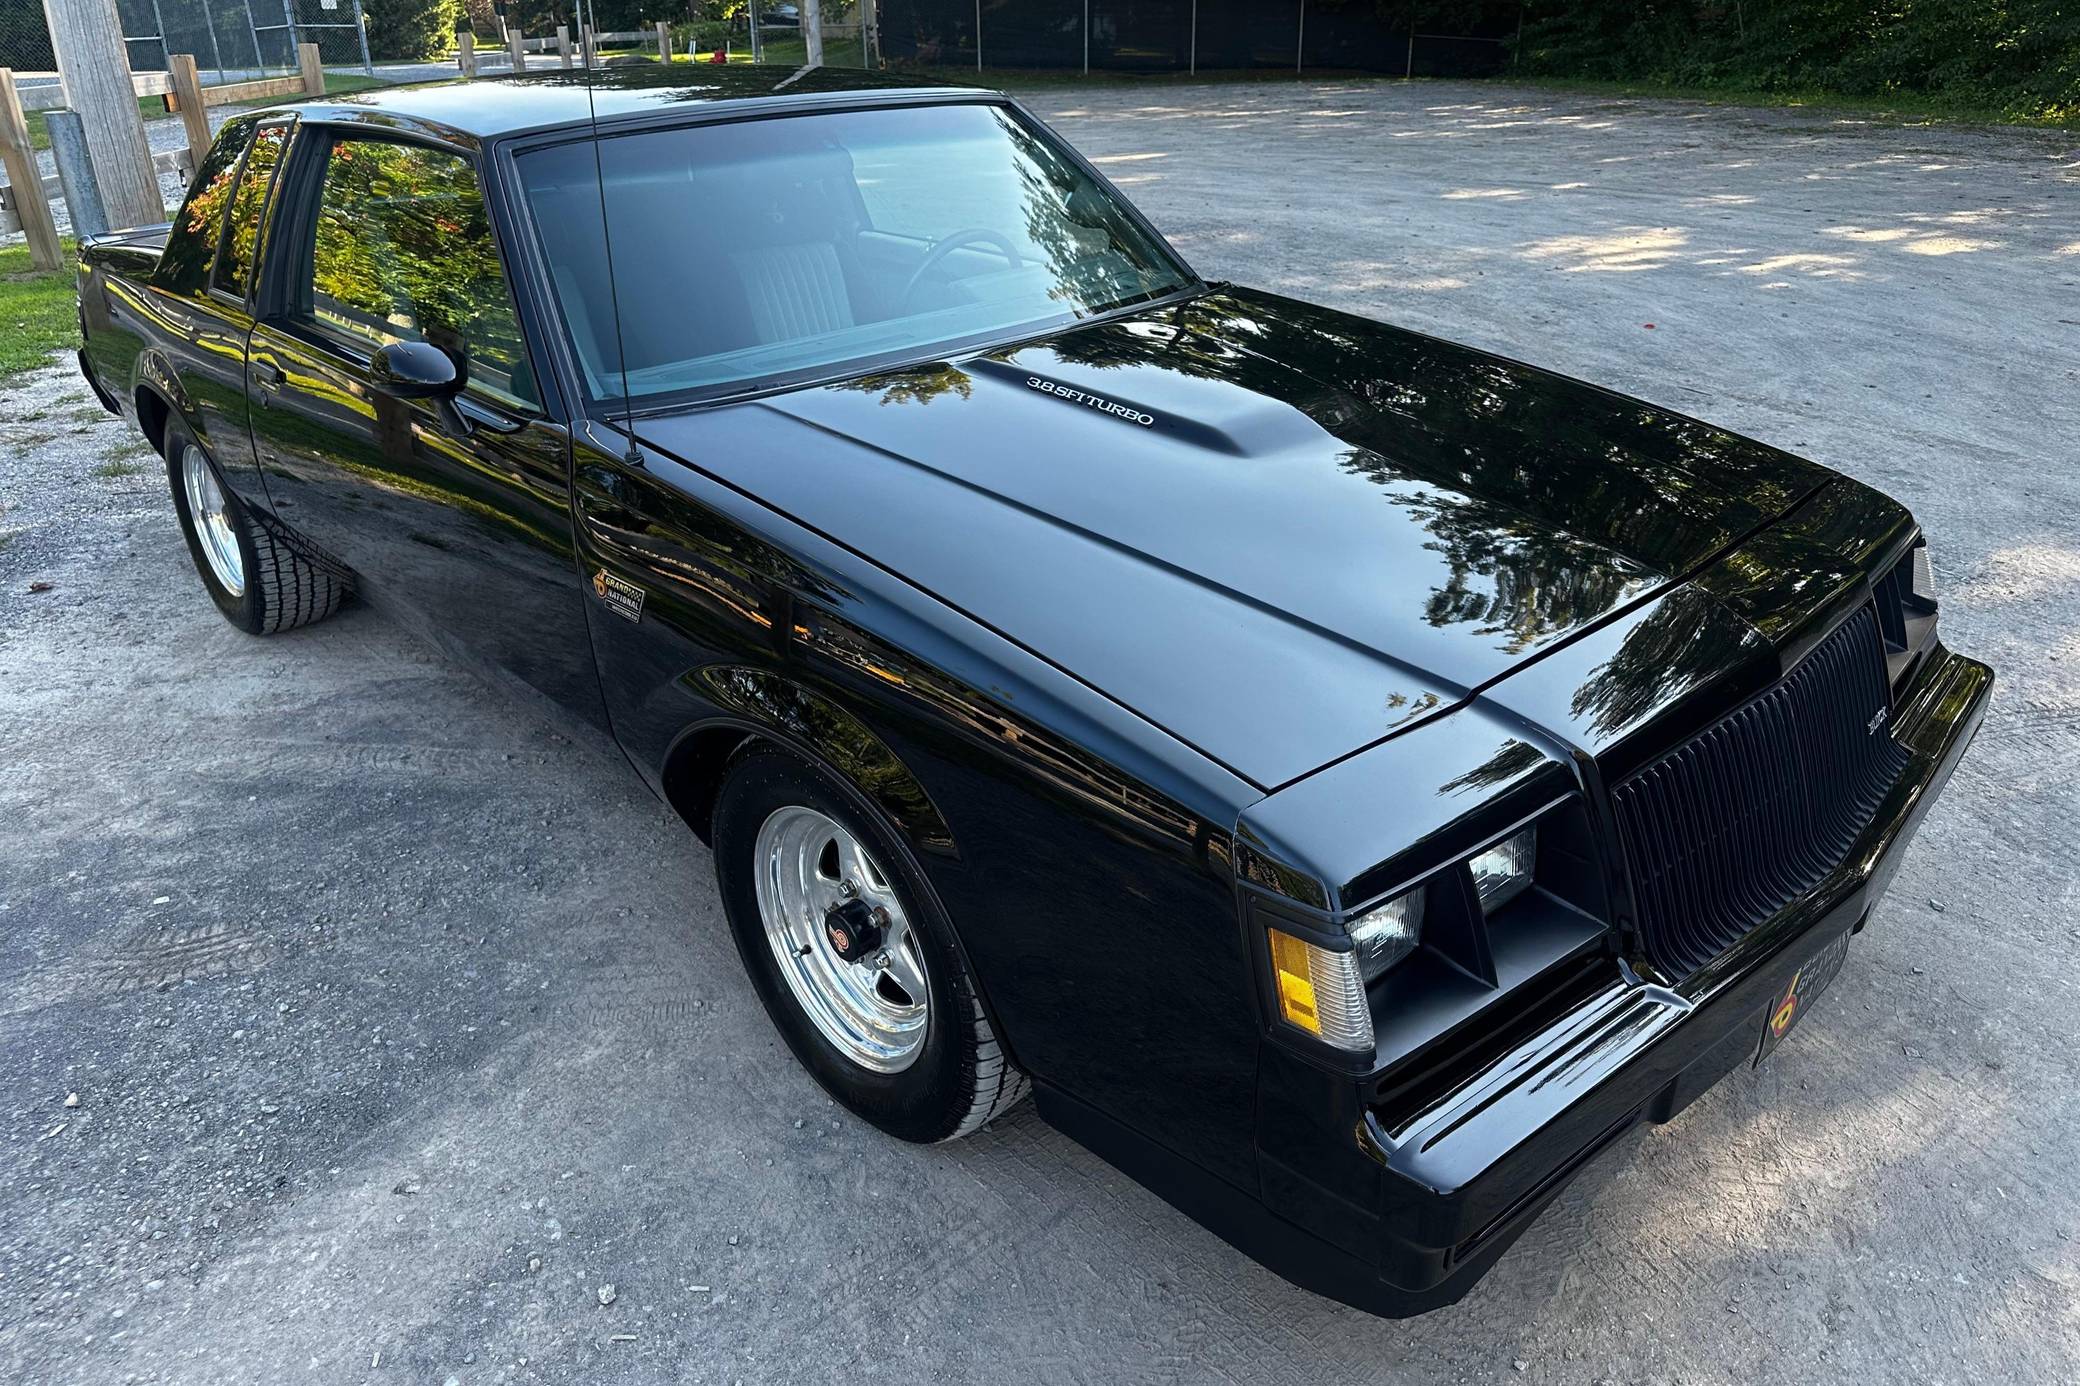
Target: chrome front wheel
[
  {"x": 210, "y": 513},
  {"x": 821, "y": 895}
]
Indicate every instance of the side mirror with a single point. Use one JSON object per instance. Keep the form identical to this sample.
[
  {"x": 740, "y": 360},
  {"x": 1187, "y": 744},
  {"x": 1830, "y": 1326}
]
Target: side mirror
[{"x": 417, "y": 370}]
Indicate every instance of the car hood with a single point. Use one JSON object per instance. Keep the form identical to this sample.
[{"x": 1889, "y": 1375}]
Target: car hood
[{"x": 1277, "y": 531}]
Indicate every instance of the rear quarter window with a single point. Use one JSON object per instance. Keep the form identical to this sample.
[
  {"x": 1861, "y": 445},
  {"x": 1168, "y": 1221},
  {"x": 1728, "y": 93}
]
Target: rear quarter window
[
  {"x": 191, "y": 246},
  {"x": 246, "y": 217}
]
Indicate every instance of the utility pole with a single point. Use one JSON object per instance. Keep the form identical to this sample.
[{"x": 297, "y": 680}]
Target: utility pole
[
  {"x": 812, "y": 30},
  {"x": 94, "y": 69}
]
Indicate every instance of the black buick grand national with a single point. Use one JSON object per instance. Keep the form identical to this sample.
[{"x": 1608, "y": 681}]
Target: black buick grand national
[{"x": 1348, "y": 777}]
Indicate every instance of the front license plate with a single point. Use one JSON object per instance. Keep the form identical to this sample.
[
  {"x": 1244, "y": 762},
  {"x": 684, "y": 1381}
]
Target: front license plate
[{"x": 1797, "y": 998}]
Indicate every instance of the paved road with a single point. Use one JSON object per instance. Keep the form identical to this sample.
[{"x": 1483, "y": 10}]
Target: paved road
[{"x": 400, "y": 1027}]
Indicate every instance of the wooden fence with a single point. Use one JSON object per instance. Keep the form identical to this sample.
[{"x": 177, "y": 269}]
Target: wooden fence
[
  {"x": 469, "y": 60},
  {"x": 184, "y": 95}
]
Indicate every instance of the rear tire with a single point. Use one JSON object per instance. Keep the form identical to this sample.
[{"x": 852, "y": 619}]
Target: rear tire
[
  {"x": 261, "y": 575},
  {"x": 924, "y": 1067}
]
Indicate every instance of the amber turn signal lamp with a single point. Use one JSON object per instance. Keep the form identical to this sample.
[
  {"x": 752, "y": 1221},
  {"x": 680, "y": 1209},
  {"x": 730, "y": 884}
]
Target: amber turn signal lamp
[{"x": 1319, "y": 991}]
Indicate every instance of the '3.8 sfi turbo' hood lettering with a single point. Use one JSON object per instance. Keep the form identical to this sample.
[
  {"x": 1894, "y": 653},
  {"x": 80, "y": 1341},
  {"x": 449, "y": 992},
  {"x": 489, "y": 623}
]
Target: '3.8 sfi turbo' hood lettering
[{"x": 1089, "y": 401}]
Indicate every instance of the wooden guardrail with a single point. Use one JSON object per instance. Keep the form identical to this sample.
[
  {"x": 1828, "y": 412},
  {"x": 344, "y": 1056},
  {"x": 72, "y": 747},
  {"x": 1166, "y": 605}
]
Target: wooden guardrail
[
  {"x": 21, "y": 210},
  {"x": 469, "y": 59}
]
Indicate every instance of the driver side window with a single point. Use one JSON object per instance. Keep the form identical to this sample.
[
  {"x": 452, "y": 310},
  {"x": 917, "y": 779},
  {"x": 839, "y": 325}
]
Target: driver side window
[{"x": 402, "y": 250}]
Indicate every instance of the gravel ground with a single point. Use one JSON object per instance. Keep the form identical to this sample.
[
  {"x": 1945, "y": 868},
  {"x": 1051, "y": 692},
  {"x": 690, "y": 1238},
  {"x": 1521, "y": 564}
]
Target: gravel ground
[{"x": 401, "y": 1028}]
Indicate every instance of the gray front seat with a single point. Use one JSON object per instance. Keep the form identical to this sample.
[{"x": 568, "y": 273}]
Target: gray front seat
[{"x": 793, "y": 290}]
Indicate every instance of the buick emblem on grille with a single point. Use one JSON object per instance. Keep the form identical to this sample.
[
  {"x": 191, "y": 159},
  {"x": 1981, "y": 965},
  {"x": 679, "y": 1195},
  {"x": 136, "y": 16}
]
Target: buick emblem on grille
[{"x": 1877, "y": 721}]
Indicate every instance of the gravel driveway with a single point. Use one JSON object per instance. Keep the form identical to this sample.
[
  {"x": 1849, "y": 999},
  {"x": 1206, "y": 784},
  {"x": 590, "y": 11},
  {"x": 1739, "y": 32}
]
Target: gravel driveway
[{"x": 401, "y": 1029}]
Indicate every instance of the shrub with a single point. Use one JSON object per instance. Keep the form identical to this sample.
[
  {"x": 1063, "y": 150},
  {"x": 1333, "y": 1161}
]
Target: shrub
[{"x": 409, "y": 29}]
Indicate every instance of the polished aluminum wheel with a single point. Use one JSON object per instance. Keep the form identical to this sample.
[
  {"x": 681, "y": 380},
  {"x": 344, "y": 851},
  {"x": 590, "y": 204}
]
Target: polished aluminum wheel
[
  {"x": 212, "y": 518},
  {"x": 874, "y": 1009}
]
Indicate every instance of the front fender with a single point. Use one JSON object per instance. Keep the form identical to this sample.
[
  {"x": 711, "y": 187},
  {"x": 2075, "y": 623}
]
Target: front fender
[{"x": 770, "y": 704}]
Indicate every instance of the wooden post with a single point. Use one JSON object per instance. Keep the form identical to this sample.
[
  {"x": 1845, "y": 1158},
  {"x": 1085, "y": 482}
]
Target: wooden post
[
  {"x": 517, "y": 41},
  {"x": 95, "y": 71},
  {"x": 588, "y": 45},
  {"x": 25, "y": 179},
  {"x": 187, "y": 95},
  {"x": 563, "y": 44},
  {"x": 664, "y": 42},
  {"x": 466, "y": 52},
  {"x": 812, "y": 31},
  {"x": 312, "y": 67}
]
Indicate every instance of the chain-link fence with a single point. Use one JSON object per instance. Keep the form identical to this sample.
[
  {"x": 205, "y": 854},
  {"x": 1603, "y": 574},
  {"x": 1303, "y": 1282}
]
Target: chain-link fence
[
  {"x": 25, "y": 41},
  {"x": 1200, "y": 35},
  {"x": 231, "y": 40},
  {"x": 236, "y": 39}
]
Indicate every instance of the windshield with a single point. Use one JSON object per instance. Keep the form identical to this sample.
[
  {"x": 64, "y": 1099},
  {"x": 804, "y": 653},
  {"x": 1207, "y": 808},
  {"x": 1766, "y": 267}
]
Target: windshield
[{"x": 755, "y": 252}]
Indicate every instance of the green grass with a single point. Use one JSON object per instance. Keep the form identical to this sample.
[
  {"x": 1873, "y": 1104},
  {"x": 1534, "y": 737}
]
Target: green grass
[
  {"x": 150, "y": 107},
  {"x": 336, "y": 84},
  {"x": 36, "y": 310},
  {"x": 116, "y": 468}
]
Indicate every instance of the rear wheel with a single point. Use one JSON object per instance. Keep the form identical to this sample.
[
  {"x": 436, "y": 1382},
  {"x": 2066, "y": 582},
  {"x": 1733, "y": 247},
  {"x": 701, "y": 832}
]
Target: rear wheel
[
  {"x": 260, "y": 574},
  {"x": 851, "y": 954}
]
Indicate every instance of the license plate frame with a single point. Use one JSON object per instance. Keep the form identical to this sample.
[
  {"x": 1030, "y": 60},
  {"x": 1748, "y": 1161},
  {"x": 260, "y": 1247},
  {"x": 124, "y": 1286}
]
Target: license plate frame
[{"x": 1805, "y": 987}]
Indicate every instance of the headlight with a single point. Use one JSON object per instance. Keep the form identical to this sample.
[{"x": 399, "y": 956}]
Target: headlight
[
  {"x": 1924, "y": 581},
  {"x": 1514, "y": 905},
  {"x": 1386, "y": 935},
  {"x": 1502, "y": 873}
]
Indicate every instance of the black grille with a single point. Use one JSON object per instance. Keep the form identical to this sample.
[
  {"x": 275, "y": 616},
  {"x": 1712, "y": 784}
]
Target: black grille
[{"x": 1751, "y": 813}]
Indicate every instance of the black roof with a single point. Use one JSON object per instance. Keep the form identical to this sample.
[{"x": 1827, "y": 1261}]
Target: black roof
[{"x": 490, "y": 107}]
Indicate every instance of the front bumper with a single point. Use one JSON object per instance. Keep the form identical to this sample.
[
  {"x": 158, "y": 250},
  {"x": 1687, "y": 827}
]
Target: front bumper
[{"x": 1404, "y": 1214}]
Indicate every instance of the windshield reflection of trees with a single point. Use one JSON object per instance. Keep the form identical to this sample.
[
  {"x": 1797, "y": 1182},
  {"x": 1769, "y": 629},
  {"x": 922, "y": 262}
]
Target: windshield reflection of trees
[{"x": 1097, "y": 257}]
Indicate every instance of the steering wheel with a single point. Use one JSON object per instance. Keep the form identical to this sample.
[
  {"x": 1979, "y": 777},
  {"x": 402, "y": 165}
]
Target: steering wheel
[{"x": 945, "y": 246}]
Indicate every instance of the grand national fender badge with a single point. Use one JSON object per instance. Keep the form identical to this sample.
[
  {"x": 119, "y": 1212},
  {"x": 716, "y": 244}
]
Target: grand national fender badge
[{"x": 622, "y": 597}]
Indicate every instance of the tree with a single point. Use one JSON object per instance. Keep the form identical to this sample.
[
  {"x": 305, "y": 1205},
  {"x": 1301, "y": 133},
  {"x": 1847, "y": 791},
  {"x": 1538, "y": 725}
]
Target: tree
[{"x": 410, "y": 29}]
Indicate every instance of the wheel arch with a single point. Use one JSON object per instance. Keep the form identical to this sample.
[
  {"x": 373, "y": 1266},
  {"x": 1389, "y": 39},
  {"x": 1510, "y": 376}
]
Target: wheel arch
[
  {"x": 762, "y": 704},
  {"x": 158, "y": 399},
  {"x": 153, "y": 414}
]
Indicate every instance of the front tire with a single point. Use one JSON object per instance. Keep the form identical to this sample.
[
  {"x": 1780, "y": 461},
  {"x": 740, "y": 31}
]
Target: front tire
[
  {"x": 262, "y": 577},
  {"x": 897, "y": 1033}
]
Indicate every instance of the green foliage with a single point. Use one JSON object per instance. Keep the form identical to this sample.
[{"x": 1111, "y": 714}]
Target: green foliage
[
  {"x": 2017, "y": 57},
  {"x": 411, "y": 29},
  {"x": 403, "y": 250}
]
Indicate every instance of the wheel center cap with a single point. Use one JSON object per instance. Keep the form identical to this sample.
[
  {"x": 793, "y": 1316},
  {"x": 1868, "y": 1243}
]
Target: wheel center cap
[{"x": 852, "y": 929}]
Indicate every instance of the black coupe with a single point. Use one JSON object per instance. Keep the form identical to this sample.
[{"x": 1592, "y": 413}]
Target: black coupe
[{"x": 1349, "y": 778}]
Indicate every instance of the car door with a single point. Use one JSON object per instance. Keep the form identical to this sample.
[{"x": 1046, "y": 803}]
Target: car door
[
  {"x": 199, "y": 290},
  {"x": 454, "y": 514}
]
